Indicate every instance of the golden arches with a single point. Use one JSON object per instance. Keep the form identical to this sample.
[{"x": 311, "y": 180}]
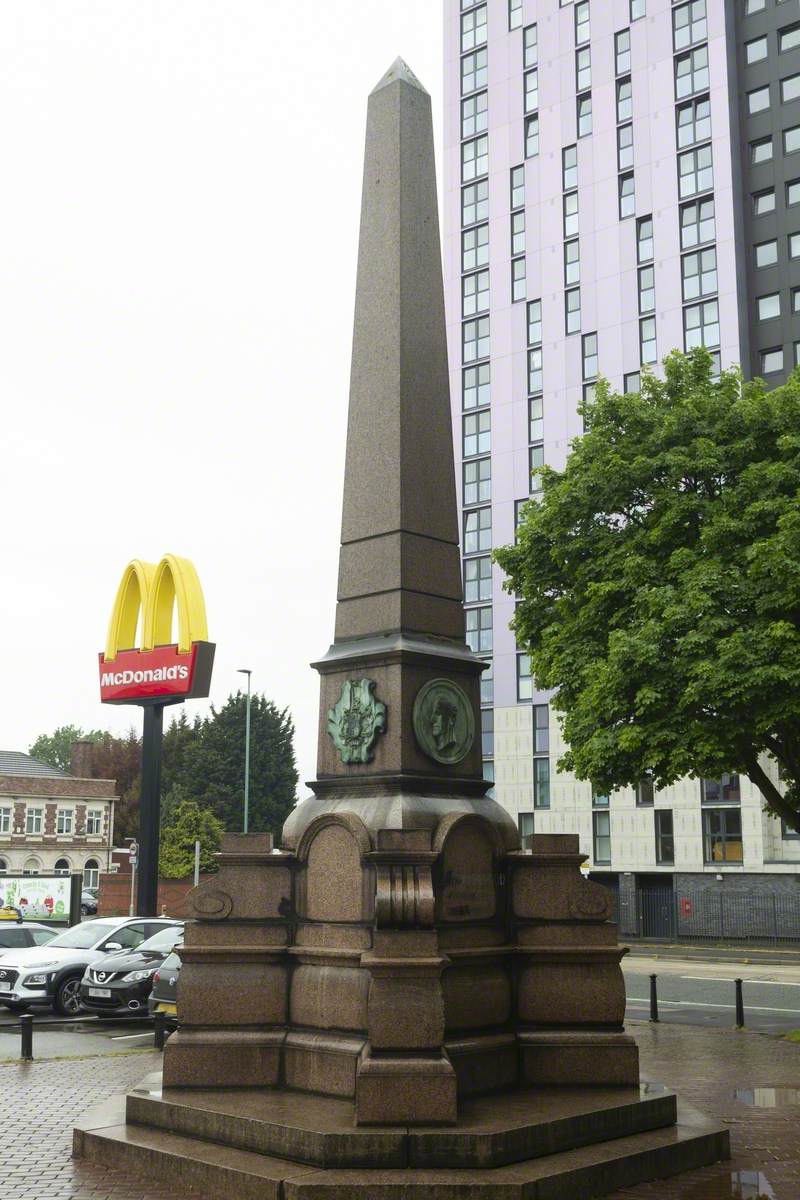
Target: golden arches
[{"x": 156, "y": 591}]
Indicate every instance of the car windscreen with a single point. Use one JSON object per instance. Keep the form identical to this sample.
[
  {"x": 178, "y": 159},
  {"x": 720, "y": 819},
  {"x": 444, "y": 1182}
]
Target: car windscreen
[
  {"x": 83, "y": 937},
  {"x": 164, "y": 940},
  {"x": 172, "y": 963}
]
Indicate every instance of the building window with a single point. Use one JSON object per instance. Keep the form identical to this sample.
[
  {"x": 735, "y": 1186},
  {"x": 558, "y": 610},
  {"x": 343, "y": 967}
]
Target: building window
[
  {"x": 624, "y": 100},
  {"x": 476, "y": 339},
  {"x": 5, "y": 820},
  {"x": 787, "y": 834},
  {"x": 691, "y": 73},
  {"x": 794, "y": 245},
  {"x": 697, "y": 223},
  {"x": 541, "y": 729},
  {"x": 31, "y": 867},
  {"x": 622, "y": 52},
  {"x": 518, "y": 232},
  {"x": 601, "y": 829},
  {"x": 645, "y": 792},
  {"x": 699, "y": 273},
  {"x": 474, "y": 114},
  {"x": 572, "y": 262},
  {"x": 474, "y": 247},
  {"x": 517, "y": 279},
  {"x": 764, "y": 202},
  {"x": 766, "y": 253},
  {"x": 525, "y": 824},
  {"x": 695, "y": 171},
  {"x": 536, "y": 462},
  {"x": 473, "y": 28},
  {"x": 531, "y": 90},
  {"x": 589, "y": 355},
  {"x": 3, "y": 866},
  {"x": 665, "y": 841},
  {"x": 541, "y": 783},
  {"x": 582, "y": 26},
  {"x": 474, "y": 293},
  {"x": 599, "y": 799},
  {"x": 769, "y": 307},
  {"x": 755, "y": 50},
  {"x": 487, "y": 733},
  {"x": 475, "y": 203},
  {"x": 797, "y": 354},
  {"x": 532, "y": 136},
  {"x": 627, "y": 200},
  {"x": 477, "y": 433},
  {"x": 474, "y": 71},
  {"x": 788, "y": 38},
  {"x": 647, "y": 340},
  {"x": 514, "y": 14},
  {"x": 791, "y": 140},
  {"x": 758, "y": 100},
  {"x": 91, "y": 873},
  {"x": 644, "y": 239},
  {"x": 476, "y": 386},
  {"x": 477, "y": 481},
  {"x": 479, "y": 629},
  {"x": 524, "y": 678},
  {"x": 583, "y": 69},
  {"x": 754, "y": 6},
  {"x": 530, "y": 47},
  {"x": 474, "y": 158},
  {"x": 33, "y": 820},
  {"x": 535, "y": 419},
  {"x": 534, "y": 322},
  {"x": 771, "y": 361},
  {"x": 795, "y": 300},
  {"x": 94, "y": 822},
  {"x": 61, "y": 867},
  {"x": 477, "y": 579},
  {"x": 487, "y": 683},
  {"x": 535, "y": 370},
  {"x": 571, "y": 214},
  {"x": 624, "y": 147},
  {"x": 569, "y": 168},
  {"x": 477, "y": 530},
  {"x": 761, "y": 150},
  {"x": 689, "y": 24},
  {"x": 647, "y": 289},
  {"x": 64, "y": 821},
  {"x": 694, "y": 122},
  {"x": 517, "y": 187},
  {"x": 722, "y": 835},
  {"x": 790, "y": 88},
  {"x": 584, "y": 113},
  {"x": 572, "y": 310},
  {"x": 725, "y": 790},
  {"x": 701, "y": 325},
  {"x": 631, "y": 382}
]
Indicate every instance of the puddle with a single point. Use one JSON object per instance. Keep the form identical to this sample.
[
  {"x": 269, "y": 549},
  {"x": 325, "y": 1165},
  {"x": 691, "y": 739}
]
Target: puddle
[
  {"x": 735, "y": 1185},
  {"x": 768, "y": 1097}
]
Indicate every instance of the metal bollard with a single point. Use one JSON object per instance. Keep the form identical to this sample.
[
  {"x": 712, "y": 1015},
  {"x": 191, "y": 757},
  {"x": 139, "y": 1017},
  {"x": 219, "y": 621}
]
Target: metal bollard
[
  {"x": 26, "y": 1037},
  {"x": 160, "y": 1030},
  {"x": 653, "y": 998},
  {"x": 739, "y": 1004}
]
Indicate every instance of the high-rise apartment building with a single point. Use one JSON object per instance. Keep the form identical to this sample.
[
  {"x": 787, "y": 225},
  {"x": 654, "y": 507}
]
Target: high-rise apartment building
[{"x": 622, "y": 177}]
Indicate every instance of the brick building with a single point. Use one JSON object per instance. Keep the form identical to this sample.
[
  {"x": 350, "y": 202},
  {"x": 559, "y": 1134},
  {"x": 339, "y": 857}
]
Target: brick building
[{"x": 54, "y": 822}]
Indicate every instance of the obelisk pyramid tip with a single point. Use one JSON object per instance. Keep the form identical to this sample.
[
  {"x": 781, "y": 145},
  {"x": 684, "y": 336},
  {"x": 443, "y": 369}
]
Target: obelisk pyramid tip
[{"x": 399, "y": 72}]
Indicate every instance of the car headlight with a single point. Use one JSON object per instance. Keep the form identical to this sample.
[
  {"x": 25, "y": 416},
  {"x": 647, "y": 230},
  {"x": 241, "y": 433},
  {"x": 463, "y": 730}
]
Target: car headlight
[
  {"x": 34, "y": 981},
  {"x": 135, "y": 976}
]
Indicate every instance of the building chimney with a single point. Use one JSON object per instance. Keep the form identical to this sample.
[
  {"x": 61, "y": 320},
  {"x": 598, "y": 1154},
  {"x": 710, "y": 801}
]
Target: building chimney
[{"x": 80, "y": 762}]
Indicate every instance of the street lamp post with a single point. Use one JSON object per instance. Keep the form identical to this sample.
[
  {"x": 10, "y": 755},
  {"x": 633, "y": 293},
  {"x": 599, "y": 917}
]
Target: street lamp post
[{"x": 248, "y": 673}]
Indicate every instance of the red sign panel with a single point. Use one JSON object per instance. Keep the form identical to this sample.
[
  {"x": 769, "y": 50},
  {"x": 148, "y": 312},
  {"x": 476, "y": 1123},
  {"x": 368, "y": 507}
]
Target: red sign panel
[
  {"x": 686, "y": 906},
  {"x": 162, "y": 674}
]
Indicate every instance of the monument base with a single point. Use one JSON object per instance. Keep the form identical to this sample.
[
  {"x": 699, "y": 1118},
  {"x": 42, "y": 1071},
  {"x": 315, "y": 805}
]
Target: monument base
[{"x": 255, "y": 1144}]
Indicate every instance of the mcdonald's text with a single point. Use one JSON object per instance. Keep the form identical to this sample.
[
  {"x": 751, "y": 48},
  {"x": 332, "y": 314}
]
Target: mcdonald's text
[{"x": 163, "y": 674}]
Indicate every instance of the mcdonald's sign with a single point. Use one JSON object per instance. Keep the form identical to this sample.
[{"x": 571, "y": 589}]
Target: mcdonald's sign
[{"x": 158, "y": 670}]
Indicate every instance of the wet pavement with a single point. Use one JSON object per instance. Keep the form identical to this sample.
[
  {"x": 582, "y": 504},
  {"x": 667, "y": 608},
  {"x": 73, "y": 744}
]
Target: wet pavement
[{"x": 748, "y": 1080}]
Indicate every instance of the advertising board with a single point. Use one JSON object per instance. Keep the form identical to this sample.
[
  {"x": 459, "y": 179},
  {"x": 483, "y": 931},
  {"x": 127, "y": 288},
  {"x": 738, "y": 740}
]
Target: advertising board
[{"x": 37, "y": 897}]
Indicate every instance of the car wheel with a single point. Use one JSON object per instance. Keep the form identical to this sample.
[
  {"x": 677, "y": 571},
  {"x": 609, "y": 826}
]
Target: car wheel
[
  {"x": 84, "y": 911},
  {"x": 68, "y": 1001}
]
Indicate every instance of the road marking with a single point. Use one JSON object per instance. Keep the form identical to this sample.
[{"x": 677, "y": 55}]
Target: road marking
[
  {"x": 124, "y": 1037},
  {"x": 720, "y": 979},
  {"x": 707, "y": 1004}
]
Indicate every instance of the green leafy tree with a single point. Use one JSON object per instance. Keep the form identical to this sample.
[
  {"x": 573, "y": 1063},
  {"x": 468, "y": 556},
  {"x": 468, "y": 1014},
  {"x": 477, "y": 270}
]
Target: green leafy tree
[
  {"x": 660, "y": 583},
  {"x": 189, "y": 823},
  {"x": 213, "y": 764},
  {"x": 56, "y": 748}
]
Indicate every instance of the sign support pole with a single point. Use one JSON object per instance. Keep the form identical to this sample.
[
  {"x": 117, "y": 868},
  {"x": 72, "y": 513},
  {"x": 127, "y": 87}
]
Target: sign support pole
[{"x": 150, "y": 809}]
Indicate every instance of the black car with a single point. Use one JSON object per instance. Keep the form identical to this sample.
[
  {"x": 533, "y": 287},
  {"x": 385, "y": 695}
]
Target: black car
[
  {"x": 88, "y": 903},
  {"x": 119, "y": 984},
  {"x": 164, "y": 996}
]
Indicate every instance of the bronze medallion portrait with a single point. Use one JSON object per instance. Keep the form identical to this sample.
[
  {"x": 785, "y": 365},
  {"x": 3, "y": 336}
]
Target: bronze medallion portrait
[{"x": 444, "y": 725}]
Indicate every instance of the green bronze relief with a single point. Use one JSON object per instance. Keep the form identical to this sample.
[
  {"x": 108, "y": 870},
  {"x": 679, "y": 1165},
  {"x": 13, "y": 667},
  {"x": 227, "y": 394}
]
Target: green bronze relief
[
  {"x": 355, "y": 721},
  {"x": 443, "y": 721}
]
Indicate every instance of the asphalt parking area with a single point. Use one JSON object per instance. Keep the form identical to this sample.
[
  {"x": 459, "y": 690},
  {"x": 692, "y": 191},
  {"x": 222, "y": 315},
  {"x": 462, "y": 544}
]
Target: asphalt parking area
[{"x": 68, "y": 1037}]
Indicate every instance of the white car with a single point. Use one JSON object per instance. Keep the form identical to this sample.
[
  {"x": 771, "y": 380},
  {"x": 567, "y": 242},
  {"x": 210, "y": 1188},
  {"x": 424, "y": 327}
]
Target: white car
[
  {"x": 52, "y": 974},
  {"x": 18, "y": 935}
]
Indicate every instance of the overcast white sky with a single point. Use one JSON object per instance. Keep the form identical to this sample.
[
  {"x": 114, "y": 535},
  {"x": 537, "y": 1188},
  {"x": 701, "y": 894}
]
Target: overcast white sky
[{"x": 178, "y": 236}]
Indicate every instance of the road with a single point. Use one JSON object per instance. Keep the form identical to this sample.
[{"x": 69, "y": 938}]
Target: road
[
  {"x": 66, "y": 1037},
  {"x": 695, "y": 992}
]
